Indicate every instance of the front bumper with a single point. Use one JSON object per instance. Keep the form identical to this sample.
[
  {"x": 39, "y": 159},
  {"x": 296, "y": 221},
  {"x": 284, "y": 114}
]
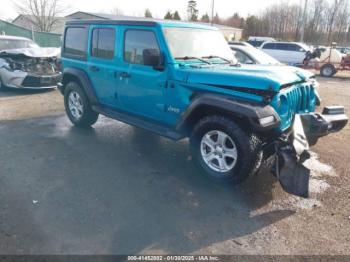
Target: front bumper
[
  {"x": 20, "y": 79},
  {"x": 292, "y": 150}
]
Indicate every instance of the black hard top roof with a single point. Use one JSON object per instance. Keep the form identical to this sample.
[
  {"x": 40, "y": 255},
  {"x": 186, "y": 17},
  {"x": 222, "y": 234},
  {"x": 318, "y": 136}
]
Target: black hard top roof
[{"x": 140, "y": 22}]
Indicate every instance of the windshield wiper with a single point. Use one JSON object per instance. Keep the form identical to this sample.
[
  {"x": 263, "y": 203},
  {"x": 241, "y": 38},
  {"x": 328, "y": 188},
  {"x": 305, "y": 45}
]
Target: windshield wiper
[
  {"x": 215, "y": 56},
  {"x": 193, "y": 57}
]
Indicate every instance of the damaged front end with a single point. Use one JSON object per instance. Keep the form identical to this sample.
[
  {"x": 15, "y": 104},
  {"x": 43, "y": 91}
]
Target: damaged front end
[
  {"x": 291, "y": 151},
  {"x": 23, "y": 69}
]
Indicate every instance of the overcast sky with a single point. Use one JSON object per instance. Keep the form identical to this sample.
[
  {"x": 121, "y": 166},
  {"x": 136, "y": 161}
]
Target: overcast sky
[{"x": 225, "y": 8}]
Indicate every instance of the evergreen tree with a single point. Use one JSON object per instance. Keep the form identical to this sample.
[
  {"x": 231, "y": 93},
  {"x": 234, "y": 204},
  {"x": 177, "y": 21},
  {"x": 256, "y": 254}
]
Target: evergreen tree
[
  {"x": 205, "y": 18},
  {"x": 168, "y": 16},
  {"x": 148, "y": 13},
  {"x": 192, "y": 10},
  {"x": 176, "y": 16}
]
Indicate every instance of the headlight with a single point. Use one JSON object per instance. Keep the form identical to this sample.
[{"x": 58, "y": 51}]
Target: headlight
[
  {"x": 282, "y": 104},
  {"x": 266, "y": 120}
]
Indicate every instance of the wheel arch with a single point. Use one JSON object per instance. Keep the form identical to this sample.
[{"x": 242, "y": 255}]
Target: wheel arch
[
  {"x": 81, "y": 77},
  {"x": 244, "y": 114}
]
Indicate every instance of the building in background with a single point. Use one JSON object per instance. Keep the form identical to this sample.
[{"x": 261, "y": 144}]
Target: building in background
[{"x": 25, "y": 21}]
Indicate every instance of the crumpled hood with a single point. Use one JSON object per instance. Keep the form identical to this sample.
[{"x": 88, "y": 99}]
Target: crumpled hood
[
  {"x": 37, "y": 52},
  {"x": 248, "y": 76}
]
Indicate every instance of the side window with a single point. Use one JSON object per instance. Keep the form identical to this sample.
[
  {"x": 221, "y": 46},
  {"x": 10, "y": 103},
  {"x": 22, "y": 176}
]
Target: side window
[
  {"x": 139, "y": 43},
  {"x": 281, "y": 46},
  {"x": 75, "y": 41},
  {"x": 103, "y": 43},
  {"x": 269, "y": 46},
  {"x": 242, "y": 57},
  {"x": 293, "y": 47}
]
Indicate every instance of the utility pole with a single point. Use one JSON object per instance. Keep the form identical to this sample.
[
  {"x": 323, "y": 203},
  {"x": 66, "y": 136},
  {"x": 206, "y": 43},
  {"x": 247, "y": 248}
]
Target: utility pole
[
  {"x": 212, "y": 11},
  {"x": 302, "y": 29}
]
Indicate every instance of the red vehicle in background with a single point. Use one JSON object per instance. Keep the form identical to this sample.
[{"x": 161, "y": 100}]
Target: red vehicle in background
[{"x": 328, "y": 60}]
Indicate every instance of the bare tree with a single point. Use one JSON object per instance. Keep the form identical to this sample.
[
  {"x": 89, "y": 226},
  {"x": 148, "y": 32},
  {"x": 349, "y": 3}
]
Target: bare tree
[{"x": 43, "y": 14}]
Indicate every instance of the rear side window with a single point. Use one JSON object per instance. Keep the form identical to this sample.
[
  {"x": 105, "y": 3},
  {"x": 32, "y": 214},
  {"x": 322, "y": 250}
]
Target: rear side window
[
  {"x": 137, "y": 43},
  {"x": 75, "y": 42},
  {"x": 103, "y": 43},
  {"x": 269, "y": 46}
]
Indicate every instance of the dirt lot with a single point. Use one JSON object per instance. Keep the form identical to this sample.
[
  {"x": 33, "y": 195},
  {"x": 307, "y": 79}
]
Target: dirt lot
[{"x": 115, "y": 189}]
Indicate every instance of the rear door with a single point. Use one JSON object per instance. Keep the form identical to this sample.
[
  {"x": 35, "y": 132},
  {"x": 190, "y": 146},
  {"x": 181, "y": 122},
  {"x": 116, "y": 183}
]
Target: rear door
[
  {"x": 270, "y": 49},
  {"x": 101, "y": 63},
  {"x": 297, "y": 53},
  {"x": 282, "y": 51}
]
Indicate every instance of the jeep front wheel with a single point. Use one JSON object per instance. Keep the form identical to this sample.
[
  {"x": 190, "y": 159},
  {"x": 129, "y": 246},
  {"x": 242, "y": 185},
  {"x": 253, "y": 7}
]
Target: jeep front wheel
[
  {"x": 223, "y": 151},
  {"x": 78, "y": 107}
]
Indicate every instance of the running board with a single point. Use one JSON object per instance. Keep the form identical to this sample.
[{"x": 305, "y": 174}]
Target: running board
[{"x": 136, "y": 121}]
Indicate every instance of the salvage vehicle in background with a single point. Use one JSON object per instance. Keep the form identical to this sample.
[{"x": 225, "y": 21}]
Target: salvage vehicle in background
[
  {"x": 257, "y": 41},
  {"x": 240, "y": 43},
  {"x": 180, "y": 80},
  {"x": 291, "y": 53},
  {"x": 24, "y": 64},
  {"x": 343, "y": 50},
  {"x": 328, "y": 60},
  {"x": 252, "y": 55}
]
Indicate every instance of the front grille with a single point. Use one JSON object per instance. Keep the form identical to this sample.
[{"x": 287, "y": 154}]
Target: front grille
[{"x": 300, "y": 99}]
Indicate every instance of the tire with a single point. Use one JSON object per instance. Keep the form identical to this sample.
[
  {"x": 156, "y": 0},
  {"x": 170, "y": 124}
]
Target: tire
[
  {"x": 248, "y": 150},
  {"x": 2, "y": 86},
  {"x": 327, "y": 70},
  {"x": 78, "y": 107}
]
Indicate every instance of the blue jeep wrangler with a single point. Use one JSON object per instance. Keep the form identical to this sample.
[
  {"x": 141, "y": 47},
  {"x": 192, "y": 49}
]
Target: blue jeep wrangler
[{"x": 181, "y": 80}]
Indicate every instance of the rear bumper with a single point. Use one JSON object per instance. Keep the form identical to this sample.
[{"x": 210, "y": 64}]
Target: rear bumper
[{"x": 291, "y": 151}]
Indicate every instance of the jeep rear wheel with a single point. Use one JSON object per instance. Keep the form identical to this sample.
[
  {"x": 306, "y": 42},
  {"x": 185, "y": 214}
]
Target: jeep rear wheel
[
  {"x": 223, "y": 151},
  {"x": 78, "y": 107}
]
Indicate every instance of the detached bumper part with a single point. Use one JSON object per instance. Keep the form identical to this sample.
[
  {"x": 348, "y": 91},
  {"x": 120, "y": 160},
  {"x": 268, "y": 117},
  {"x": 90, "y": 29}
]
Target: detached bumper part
[
  {"x": 332, "y": 119},
  {"x": 291, "y": 153},
  {"x": 291, "y": 173}
]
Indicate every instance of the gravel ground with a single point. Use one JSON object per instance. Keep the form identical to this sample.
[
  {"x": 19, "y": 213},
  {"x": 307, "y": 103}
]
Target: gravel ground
[{"x": 116, "y": 189}]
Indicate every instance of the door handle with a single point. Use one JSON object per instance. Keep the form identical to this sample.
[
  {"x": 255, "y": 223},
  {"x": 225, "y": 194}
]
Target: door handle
[
  {"x": 94, "y": 69},
  {"x": 124, "y": 75}
]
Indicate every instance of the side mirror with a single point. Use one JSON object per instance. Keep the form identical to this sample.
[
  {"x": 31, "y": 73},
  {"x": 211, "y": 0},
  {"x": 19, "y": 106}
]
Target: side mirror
[{"x": 154, "y": 58}]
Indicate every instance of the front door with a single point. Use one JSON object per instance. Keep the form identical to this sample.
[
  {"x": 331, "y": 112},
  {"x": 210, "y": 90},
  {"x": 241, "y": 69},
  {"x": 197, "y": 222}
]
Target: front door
[
  {"x": 101, "y": 64},
  {"x": 141, "y": 87}
]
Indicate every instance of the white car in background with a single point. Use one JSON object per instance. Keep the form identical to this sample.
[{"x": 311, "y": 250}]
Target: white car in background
[
  {"x": 24, "y": 64},
  {"x": 291, "y": 53},
  {"x": 252, "y": 55}
]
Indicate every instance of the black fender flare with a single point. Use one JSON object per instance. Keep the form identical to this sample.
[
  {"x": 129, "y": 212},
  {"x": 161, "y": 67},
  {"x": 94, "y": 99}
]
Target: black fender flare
[
  {"x": 83, "y": 78},
  {"x": 242, "y": 109}
]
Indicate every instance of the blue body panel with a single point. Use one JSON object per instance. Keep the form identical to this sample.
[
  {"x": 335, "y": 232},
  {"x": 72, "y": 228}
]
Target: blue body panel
[{"x": 163, "y": 96}]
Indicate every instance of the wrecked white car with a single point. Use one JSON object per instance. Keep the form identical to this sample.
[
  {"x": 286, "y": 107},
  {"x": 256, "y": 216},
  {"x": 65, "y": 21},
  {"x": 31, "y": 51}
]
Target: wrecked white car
[{"x": 24, "y": 64}]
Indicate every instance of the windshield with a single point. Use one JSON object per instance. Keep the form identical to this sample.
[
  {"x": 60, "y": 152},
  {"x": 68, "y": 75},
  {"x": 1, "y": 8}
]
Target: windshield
[
  {"x": 262, "y": 57},
  {"x": 6, "y": 44},
  {"x": 198, "y": 43}
]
